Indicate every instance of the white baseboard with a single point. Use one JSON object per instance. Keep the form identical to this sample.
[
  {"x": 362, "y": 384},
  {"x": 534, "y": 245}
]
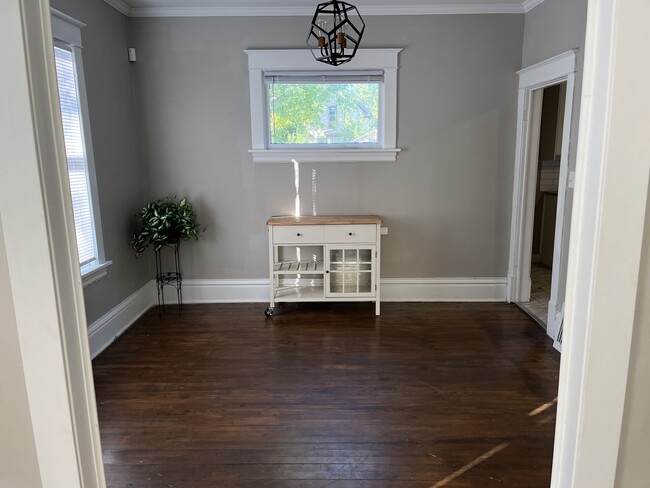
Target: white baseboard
[
  {"x": 221, "y": 291},
  {"x": 444, "y": 289},
  {"x": 113, "y": 323},
  {"x": 392, "y": 290}
]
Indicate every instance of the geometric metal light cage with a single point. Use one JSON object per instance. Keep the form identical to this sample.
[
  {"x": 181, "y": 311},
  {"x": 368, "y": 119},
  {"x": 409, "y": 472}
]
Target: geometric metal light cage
[{"x": 335, "y": 32}]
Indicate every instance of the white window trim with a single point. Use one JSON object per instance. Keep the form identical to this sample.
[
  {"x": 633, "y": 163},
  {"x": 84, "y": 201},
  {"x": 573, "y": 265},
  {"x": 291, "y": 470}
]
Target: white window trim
[
  {"x": 260, "y": 61},
  {"x": 68, "y": 31}
]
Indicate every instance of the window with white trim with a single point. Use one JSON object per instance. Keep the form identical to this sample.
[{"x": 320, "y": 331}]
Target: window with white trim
[
  {"x": 304, "y": 111},
  {"x": 78, "y": 146}
]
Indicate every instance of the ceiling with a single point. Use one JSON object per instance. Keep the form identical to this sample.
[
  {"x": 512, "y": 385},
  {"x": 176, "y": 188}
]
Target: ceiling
[{"x": 201, "y": 8}]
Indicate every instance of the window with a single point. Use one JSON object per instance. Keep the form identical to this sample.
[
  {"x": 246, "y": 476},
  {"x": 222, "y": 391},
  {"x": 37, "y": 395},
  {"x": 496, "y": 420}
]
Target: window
[
  {"x": 78, "y": 147},
  {"x": 317, "y": 109},
  {"x": 302, "y": 111}
]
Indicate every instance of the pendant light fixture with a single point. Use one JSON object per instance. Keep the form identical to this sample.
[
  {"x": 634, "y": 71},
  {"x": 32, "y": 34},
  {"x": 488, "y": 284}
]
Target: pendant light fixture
[{"x": 335, "y": 32}]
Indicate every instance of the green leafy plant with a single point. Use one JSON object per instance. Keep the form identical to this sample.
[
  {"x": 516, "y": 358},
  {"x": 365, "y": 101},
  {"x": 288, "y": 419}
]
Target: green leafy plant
[{"x": 163, "y": 222}]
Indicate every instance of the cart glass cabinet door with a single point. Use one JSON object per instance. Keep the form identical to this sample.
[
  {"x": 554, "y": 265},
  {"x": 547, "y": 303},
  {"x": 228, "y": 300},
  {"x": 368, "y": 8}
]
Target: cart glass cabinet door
[{"x": 350, "y": 271}]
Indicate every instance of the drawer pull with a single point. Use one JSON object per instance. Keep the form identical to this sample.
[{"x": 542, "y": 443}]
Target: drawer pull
[
  {"x": 299, "y": 234},
  {"x": 350, "y": 233}
]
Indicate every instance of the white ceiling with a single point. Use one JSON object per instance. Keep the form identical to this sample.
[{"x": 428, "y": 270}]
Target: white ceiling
[{"x": 185, "y": 8}]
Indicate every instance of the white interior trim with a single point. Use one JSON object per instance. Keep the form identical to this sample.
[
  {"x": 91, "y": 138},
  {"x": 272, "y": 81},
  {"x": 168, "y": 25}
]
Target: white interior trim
[
  {"x": 42, "y": 257},
  {"x": 95, "y": 273},
  {"x": 103, "y": 332},
  {"x": 546, "y": 73},
  {"x": 562, "y": 221},
  {"x": 443, "y": 289},
  {"x": 264, "y": 60},
  {"x": 308, "y": 11},
  {"x": 68, "y": 30},
  {"x": 66, "y": 18},
  {"x": 323, "y": 155},
  {"x": 120, "y": 6}
]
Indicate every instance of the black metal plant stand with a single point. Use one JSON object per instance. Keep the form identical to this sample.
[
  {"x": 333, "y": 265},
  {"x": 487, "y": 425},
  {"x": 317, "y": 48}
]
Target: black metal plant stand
[{"x": 172, "y": 278}]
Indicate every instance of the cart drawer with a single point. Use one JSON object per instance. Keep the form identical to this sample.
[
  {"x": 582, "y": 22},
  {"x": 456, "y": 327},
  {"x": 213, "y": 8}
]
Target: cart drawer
[
  {"x": 297, "y": 234},
  {"x": 341, "y": 234}
]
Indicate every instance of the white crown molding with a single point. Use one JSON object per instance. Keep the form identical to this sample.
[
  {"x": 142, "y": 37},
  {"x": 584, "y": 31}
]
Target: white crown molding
[
  {"x": 529, "y": 5},
  {"x": 120, "y": 6},
  {"x": 493, "y": 8},
  {"x": 70, "y": 20}
]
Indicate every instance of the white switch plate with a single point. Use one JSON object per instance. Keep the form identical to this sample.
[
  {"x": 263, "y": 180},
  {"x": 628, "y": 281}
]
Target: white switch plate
[{"x": 384, "y": 231}]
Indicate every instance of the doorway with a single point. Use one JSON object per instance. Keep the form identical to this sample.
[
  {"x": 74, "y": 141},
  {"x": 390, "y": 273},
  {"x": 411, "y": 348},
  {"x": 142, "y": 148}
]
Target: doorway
[
  {"x": 547, "y": 161},
  {"x": 538, "y": 243}
]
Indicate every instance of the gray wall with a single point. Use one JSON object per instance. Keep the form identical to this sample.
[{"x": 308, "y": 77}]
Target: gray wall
[
  {"x": 122, "y": 181},
  {"x": 446, "y": 200}
]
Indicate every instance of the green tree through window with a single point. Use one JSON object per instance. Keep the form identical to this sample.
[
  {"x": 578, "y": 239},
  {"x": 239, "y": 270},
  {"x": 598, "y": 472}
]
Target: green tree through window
[{"x": 323, "y": 113}]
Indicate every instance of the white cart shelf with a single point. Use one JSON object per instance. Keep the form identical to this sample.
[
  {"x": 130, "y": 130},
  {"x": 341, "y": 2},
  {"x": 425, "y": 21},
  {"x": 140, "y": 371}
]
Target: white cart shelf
[{"x": 324, "y": 258}]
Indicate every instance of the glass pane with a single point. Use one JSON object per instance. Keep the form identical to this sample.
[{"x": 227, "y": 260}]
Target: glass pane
[
  {"x": 351, "y": 255},
  {"x": 75, "y": 153},
  {"x": 336, "y": 282},
  {"x": 365, "y": 255},
  {"x": 323, "y": 113},
  {"x": 336, "y": 255},
  {"x": 365, "y": 283},
  {"x": 334, "y": 267},
  {"x": 365, "y": 267},
  {"x": 350, "y": 282}
]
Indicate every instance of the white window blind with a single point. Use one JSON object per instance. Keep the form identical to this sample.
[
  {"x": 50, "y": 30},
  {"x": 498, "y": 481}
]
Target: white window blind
[
  {"x": 76, "y": 155},
  {"x": 366, "y": 76}
]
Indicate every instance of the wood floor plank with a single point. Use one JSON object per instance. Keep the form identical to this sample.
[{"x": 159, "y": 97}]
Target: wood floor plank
[{"x": 329, "y": 395}]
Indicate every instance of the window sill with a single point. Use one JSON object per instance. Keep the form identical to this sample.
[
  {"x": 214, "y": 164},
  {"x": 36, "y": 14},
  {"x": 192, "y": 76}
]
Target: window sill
[
  {"x": 323, "y": 155},
  {"x": 95, "y": 273}
]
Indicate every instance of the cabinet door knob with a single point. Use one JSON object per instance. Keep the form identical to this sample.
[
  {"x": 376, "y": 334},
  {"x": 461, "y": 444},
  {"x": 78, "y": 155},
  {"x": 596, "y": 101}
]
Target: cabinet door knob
[
  {"x": 298, "y": 234},
  {"x": 349, "y": 233},
  {"x": 327, "y": 271}
]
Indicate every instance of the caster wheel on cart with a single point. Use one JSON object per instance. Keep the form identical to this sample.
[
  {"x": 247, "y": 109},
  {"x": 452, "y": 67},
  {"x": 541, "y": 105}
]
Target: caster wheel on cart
[{"x": 268, "y": 312}]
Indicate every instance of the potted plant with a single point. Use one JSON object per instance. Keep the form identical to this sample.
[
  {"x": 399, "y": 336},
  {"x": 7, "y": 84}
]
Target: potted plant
[{"x": 166, "y": 222}]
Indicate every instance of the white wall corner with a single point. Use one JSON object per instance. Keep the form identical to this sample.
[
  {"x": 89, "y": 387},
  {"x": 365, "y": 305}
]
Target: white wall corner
[
  {"x": 103, "y": 332},
  {"x": 157, "y": 10}
]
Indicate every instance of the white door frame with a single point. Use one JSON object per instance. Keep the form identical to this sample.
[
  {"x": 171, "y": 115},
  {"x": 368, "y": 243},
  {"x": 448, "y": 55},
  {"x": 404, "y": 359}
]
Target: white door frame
[
  {"x": 558, "y": 69},
  {"x": 609, "y": 212},
  {"x": 41, "y": 252}
]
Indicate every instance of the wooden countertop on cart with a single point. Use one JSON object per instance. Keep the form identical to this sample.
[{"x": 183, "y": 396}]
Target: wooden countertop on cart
[{"x": 324, "y": 220}]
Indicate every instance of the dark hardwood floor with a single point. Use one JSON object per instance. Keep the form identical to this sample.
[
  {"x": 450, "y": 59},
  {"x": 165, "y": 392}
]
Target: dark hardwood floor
[{"x": 428, "y": 394}]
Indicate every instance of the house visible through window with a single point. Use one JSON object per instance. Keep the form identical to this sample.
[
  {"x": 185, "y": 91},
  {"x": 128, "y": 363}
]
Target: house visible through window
[{"x": 69, "y": 74}]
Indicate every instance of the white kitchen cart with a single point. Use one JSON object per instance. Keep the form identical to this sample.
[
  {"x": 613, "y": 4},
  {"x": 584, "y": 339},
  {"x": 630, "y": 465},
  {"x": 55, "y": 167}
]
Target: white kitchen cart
[{"x": 325, "y": 258}]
